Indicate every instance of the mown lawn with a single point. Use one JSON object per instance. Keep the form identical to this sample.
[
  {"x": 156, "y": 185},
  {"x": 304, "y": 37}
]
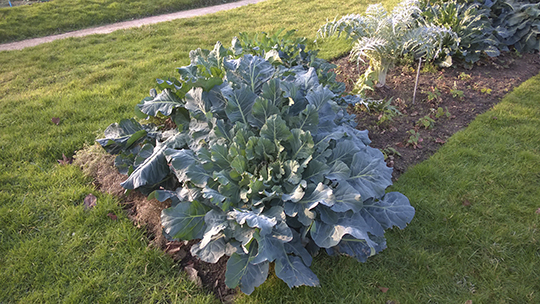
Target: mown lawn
[
  {"x": 51, "y": 250},
  {"x": 59, "y": 16}
]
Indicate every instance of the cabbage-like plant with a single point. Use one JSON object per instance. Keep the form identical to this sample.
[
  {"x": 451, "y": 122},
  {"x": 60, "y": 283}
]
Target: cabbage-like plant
[
  {"x": 266, "y": 167},
  {"x": 382, "y": 38}
]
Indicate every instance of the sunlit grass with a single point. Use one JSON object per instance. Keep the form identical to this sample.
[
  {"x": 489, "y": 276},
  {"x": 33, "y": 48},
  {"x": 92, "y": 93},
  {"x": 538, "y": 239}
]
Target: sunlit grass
[
  {"x": 51, "y": 250},
  {"x": 60, "y": 16}
]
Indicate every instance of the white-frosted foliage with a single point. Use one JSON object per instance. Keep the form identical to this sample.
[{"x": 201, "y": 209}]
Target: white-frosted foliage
[{"x": 381, "y": 38}]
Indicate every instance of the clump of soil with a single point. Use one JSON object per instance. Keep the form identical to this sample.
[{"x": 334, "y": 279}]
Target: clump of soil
[{"x": 461, "y": 94}]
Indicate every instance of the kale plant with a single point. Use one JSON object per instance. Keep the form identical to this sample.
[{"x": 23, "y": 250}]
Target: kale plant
[{"x": 265, "y": 165}]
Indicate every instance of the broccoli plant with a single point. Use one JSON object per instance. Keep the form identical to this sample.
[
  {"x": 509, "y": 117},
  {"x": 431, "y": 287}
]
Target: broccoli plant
[
  {"x": 265, "y": 166},
  {"x": 382, "y": 38}
]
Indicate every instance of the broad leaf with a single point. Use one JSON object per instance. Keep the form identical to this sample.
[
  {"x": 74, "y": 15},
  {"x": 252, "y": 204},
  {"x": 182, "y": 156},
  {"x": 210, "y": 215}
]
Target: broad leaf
[
  {"x": 369, "y": 174},
  {"x": 163, "y": 103},
  {"x": 275, "y": 129},
  {"x": 329, "y": 235},
  {"x": 185, "y": 221},
  {"x": 212, "y": 251},
  {"x": 294, "y": 272},
  {"x": 240, "y": 102},
  {"x": 393, "y": 209},
  {"x": 358, "y": 249},
  {"x": 240, "y": 271}
]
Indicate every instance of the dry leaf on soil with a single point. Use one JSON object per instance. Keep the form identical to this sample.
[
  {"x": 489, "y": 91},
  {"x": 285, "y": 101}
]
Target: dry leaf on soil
[
  {"x": 89, "y": 201},
  {"x": 65, "y": 160}
]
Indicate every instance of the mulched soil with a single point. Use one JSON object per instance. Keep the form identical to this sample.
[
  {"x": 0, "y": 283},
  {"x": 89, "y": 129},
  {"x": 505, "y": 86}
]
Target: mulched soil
[
  {"x": 462, "y": 94},
  {"x": 475, "y": 91}
]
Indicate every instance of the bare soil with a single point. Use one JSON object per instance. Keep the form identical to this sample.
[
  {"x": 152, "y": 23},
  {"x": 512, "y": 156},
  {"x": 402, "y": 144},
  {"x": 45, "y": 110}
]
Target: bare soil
[{"x": 462, "y": 95}]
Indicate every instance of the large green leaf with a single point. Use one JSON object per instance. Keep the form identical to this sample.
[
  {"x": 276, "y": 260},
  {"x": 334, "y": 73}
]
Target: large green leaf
[
  {"x": 369, "y": 174},
  {"x": 294, "y": 272},
  {"x": 301, "y": 144},
  {"x": 120, "y": 136},
  {"x": 262, "y": 110},
  {"x": 154, "y": 168},
  {"x": 301, "y": 208},
  {"x": 393, "y": 209},
  {"x": 329, "y": 235},
  {"x": 275, "y": 129},
  {"x": 251, "y": 71},
  {"x": 240, "y": 102},
  {"x": 163, "y": 103},
  {"x": 185, "y": 221},
  {"x": 240, "y": 271}
]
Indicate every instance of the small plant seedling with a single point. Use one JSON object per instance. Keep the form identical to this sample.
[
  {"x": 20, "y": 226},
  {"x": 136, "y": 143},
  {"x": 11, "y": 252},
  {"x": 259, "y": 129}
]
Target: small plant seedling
[
  {"x": 486, "y": 91},
  {"x": 464, "y": 76},
  {"x": 389, "y": 151},
  {"x": 433, "y": 95},
  {"x": 456, "y": 93},
  {"x": 440, "y": 112},
  {"x": 414, "y": 139},
  {"x": 426, "y": 122}
]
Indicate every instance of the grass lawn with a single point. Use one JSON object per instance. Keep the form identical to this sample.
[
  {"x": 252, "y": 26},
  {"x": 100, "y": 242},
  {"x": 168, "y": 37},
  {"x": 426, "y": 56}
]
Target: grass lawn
[
  {"x": 60, "y": 16},
  {"x": 51, "y": 250}
]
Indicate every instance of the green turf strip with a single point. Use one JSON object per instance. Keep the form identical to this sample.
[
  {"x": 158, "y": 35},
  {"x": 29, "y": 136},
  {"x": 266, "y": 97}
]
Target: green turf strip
[
  {"x": 51, "y": 250},
  {"x": 59, "y": 16}
]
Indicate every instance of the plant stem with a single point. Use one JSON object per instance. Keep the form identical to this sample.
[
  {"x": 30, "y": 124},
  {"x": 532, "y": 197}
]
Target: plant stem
[{"x": 416, "y": 83}]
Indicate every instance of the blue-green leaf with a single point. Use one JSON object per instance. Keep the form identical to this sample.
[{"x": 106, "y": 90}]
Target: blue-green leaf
[
  {"x": 240, "y": 103},
  {"x": 358, "y": 249},
  {"x": 369, "y": 174},
  {"x": 212, "y": 251},
  {"x": 275, "y": 129},
  {"x": 294, "y": 272},
  {"x": 301, "y": 144},
  {"x": 117, "y": 135},
  {"x": 346, "y": 198},
  {"x": 393, "y": 209},
  {"x": 240, "y": 271},
  {"x": 155, "y": 168},
  {"x": 180, "y": 161},
  {"x": 314, "y": 195},
  {"x": 266, "y": 224},
  {"x": 262, "y": 109},
  {"x": 163, "y": 103},
  {"x": 185, "y": 221},
  {"x": 252, "y": 71},
  {"x": 329, "y": 235}
]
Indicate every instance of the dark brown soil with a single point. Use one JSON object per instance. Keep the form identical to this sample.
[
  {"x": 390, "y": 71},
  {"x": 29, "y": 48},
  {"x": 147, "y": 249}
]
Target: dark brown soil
[
  {"x": 475, "y": 90},
  {"x": 462, "y": 94}
]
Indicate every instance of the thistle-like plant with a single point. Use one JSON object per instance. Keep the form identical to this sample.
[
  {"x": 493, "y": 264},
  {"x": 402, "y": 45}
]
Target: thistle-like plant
[
  {"x": 381, "y": 38},
  {"x": 265, "y": 166}
]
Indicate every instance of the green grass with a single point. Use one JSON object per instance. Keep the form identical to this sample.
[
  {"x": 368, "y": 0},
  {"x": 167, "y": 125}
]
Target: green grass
[
  {"x": 60, "y": 16},
  {"x": 51, "y": 250}
]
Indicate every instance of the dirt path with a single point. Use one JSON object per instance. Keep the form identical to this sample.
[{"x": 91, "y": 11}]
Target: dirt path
[{"x": 106, "y": 29}]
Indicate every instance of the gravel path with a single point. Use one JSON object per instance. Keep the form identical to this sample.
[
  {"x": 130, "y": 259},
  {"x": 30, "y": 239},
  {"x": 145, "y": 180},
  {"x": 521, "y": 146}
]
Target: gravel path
[{"x": 19, "y": 45}]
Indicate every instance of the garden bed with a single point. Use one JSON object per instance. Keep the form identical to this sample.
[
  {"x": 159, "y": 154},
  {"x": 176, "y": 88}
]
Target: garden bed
[{"x": 461, "y": 93}]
